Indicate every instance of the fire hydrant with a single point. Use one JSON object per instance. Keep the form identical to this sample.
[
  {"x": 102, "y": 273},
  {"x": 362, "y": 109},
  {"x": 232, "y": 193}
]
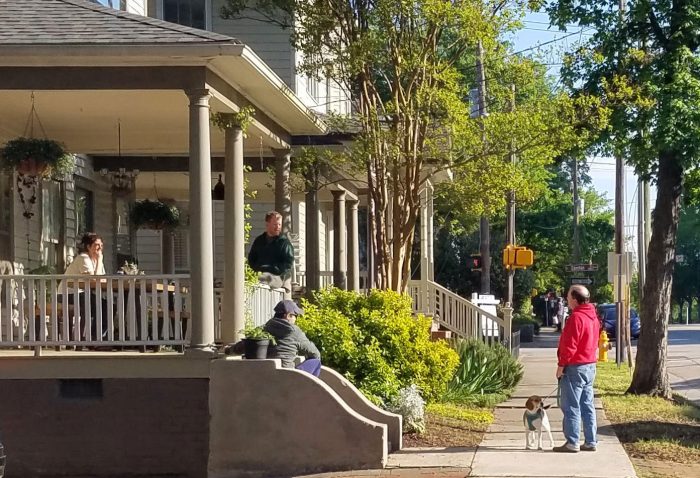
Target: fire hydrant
[{"x": 603, "y": 346}]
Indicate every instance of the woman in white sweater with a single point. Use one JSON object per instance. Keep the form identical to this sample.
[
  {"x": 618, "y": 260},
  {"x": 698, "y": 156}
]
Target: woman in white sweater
[{"x": 88, "y": 262}]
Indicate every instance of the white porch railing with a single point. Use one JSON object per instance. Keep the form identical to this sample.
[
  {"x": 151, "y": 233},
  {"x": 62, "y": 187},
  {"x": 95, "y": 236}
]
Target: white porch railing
[
  {"x": 327, "y": 279},
  {"x": 260, "y": 300},
  {"x": 459, "y": 315},
  {"x": 61, "y": 310}
]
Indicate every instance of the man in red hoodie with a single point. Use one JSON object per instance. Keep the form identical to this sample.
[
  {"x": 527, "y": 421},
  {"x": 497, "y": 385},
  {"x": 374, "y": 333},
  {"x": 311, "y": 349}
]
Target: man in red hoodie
[{"x": 577, "y": 353}]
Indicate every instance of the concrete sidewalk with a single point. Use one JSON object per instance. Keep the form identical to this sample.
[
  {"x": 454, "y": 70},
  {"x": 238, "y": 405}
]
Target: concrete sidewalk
[{"x": 502, "y": 452}]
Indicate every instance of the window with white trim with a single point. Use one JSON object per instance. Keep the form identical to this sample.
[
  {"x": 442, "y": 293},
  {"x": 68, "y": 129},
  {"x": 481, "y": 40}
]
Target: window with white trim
[
  {"x": 52, "y": 219},
  {"x": 189, "y": 13}
]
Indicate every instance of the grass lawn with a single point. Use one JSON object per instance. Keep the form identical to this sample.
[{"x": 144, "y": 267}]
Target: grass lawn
[
  {"x": 451, "y": 424},
  {"x": 662, "y": 437}
]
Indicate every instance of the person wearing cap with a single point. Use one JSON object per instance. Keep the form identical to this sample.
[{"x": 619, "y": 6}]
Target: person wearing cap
[
  {"x": 291, "y": 340},
  {"x": 577, "y": 356}
]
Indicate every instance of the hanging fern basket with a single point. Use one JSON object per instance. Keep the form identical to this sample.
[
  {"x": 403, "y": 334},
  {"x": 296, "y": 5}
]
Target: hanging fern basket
[
  {"x": 36, "y": 157},
  {"x": 147, "y": 214}
]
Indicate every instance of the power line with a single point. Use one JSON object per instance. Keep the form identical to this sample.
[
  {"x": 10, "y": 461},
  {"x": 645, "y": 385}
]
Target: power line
[
  {"x": 547, "y": 30},
  {"x": 548, "y": 23}
]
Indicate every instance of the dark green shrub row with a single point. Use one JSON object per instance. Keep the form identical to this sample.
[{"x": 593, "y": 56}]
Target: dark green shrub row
[
  {"x": 483, "y": 369},
  {"x": 377, "y": 343}
]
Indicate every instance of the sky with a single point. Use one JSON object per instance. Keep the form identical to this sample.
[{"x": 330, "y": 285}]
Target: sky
[{"x": 554, "y": 43}]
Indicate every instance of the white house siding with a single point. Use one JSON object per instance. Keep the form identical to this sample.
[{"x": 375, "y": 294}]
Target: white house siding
[
  {"x": 104, "y": 221},
  {"x": 148, "y": 242},
  {"x": 219, "y": 240},
  {"x": 27, "y": 232},
  {"x": 299, "y": 228},
  {"x": 270, "y": 42},
  {"x": 324, "y": 241}
]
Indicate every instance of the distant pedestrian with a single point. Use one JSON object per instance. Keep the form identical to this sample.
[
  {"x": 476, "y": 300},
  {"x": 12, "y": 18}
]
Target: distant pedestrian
[
  {"x": 561, "y": 311},
  {"x": 577, "y": 355},
  {"x": 272, "y": 255}
]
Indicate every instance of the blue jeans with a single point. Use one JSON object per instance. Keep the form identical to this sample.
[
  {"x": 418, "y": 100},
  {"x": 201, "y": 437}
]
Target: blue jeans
[
  {"x": 576, "y": 388},
  {"x": 313, "y": 366}
]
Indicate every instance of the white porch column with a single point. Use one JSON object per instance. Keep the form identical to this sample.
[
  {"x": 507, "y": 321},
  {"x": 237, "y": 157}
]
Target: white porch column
[
  {"x": 201, "y": 240},
  {"x": 353, "y": 247},
  {"x": 424, "y": 247},
  {"x": 233, "y": 307},
  {"x": 283, "y": 192},
  {"x": 313, "y": 263},
  {"x": 340, "y": 258},
  {"x": 431, "y": 231}
]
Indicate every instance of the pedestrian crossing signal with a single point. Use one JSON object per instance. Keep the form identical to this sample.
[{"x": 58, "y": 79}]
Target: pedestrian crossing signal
[
  {"x": 475, "y": 262},
  {"x": 517, "y": 257}
]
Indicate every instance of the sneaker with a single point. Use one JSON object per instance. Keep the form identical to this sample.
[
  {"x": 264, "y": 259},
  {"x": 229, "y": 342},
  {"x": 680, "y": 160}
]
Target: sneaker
[
  {"x": 587, "y": 447},
  {"x": 565, "y": 448}
]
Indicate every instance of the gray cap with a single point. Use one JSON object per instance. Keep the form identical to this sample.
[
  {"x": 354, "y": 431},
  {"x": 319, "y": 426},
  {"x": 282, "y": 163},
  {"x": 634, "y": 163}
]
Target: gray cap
[{"x": 287, "y": 307}]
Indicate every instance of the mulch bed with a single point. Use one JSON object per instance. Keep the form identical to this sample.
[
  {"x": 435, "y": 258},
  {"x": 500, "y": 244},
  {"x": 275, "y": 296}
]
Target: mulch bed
[{"x": 444, "y": 432}]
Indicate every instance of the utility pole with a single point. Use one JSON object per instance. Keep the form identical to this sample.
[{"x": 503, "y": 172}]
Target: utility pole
[
  {"x": 576, "y": 253},
  {"x": 641, "y": 243},
  {"x": 485, "y": 234},
  {"x": 620, "y": 239},
  {"x": 510, "y": 212}
]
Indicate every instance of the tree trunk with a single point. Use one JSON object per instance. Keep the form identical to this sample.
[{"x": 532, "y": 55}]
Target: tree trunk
[{"x": 650, "y": 375}]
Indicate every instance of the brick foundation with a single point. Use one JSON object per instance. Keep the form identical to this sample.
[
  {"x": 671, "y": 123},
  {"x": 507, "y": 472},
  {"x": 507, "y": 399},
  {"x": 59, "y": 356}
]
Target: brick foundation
[{"x": 105, "y": 427}]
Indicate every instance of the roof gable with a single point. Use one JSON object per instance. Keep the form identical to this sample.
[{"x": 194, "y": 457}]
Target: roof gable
[{"x": 80, "y": 22}]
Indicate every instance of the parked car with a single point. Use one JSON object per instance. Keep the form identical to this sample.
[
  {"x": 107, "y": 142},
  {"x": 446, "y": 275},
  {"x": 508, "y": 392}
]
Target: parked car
[{"x": 607, "y": 313}]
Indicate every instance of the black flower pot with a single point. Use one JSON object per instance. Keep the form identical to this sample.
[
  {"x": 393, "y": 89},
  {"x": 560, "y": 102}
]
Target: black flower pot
[
  {"x": 255, "y": 349},
  {"x": 527, "y": 333}
]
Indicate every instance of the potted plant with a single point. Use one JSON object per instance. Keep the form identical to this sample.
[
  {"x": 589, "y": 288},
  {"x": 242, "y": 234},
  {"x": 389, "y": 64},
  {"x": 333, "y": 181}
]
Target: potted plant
[
  {"x": 154, "y": 215},
  {"x": 256, "y": 341},
  {"x": 36, "y": 157},
  {"x": 528, "y": 327}
]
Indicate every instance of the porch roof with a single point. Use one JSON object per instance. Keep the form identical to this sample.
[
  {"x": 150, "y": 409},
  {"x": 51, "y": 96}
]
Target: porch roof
[{"x": 89, "y": 67}]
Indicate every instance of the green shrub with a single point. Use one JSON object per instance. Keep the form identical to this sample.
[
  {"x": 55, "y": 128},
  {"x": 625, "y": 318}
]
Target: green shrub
[
  {"x": 377, "y": 343},
  {"x": 483, "y": 370}
]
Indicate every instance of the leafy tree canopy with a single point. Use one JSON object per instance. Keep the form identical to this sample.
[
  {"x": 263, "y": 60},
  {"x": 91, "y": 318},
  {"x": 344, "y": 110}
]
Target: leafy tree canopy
[
  {"x": 408, "y": 66},
  {"x": 644, "y": 65}
]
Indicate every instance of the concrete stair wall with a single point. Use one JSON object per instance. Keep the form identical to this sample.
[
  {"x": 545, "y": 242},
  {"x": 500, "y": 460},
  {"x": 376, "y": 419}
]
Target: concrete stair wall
[{"x": 271, "y": 421}]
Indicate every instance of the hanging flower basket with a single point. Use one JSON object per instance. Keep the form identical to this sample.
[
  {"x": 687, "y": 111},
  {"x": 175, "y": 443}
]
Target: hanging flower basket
[
  {"x": 147, "y": 214},
  {"x": 37, "y": 157}
]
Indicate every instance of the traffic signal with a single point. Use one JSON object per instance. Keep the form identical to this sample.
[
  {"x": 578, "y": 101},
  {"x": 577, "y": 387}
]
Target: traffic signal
[
  {"x": 517, "y": 257},
  {"x": 474, "y": 262}
]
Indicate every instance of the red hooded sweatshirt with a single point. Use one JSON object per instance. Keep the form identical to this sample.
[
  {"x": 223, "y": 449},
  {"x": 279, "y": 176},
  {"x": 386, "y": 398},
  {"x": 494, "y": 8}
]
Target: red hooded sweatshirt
[{"x": 578, "y": 343}]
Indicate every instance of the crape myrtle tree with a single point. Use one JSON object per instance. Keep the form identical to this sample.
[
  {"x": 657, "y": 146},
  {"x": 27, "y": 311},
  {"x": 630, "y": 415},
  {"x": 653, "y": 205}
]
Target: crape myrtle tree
[
  {"x": 643, "y": 63},
  {"x": 400, "y": 61}
]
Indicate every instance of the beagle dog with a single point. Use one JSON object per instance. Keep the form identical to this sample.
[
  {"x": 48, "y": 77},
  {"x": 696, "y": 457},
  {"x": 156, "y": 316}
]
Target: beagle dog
[{"x": 535, "y": 421}]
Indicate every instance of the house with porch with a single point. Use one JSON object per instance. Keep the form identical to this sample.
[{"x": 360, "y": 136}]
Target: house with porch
[
  {"x": 132, "y": 96},
  {"x": 109, "y": 84}
]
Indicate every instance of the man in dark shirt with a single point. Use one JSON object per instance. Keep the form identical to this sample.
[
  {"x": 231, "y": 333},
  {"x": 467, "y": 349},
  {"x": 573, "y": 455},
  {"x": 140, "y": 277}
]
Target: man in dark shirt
[{"x": 272, "y": 255}]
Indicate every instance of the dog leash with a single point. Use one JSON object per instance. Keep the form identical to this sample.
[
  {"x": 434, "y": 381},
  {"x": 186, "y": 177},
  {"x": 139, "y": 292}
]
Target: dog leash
[{"x": 556, "y": 389}]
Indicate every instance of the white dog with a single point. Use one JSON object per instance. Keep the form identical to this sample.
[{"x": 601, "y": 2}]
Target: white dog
[{"x": 535, "y": 421}]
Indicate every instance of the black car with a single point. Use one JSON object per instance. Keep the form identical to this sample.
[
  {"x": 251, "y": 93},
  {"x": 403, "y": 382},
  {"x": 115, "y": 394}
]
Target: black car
[{"x": 607, "y": 313}]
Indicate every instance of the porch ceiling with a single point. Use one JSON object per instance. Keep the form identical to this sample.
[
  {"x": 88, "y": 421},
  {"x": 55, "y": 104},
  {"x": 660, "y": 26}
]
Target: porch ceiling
[{"x": 86, "y": 121}]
